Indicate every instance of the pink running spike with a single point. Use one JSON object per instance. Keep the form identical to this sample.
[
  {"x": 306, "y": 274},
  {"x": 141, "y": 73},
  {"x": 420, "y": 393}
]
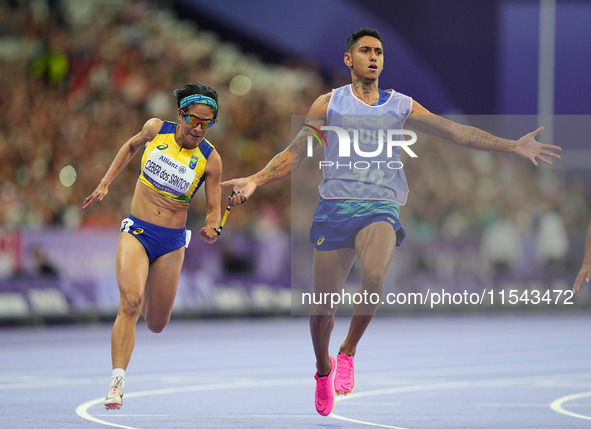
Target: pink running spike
[
  {"x": 344, "y": 380},
  {"x": 324, "y": 395}
]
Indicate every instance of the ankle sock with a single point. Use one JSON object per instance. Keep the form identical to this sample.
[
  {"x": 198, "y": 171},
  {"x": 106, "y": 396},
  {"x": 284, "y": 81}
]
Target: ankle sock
[{"x": 116, "y": 375}]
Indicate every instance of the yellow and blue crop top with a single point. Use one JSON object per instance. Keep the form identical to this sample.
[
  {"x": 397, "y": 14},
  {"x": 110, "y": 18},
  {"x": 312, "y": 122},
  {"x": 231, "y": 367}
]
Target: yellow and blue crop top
[{"x": 170, "y": 170}]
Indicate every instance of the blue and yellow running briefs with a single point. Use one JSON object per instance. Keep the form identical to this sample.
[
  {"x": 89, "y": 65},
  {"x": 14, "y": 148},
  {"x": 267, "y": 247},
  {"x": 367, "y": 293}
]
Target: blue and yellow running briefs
[
  {"x": 170, "y": 170},
  {"x": 337, "y": 222},
  {"x": 157, "y": 240}
]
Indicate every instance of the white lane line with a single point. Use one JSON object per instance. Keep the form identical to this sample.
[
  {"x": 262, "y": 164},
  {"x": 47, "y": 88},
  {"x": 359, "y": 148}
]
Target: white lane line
[
  {"x": 400, "y": 389},
  {"x": 116, "y": 414},
  {"x": 362, "y": 422},
  {"x": 441, "y": 386},
  {"x": 82, "y": 409},
  {"x": 556, "y": 405}
]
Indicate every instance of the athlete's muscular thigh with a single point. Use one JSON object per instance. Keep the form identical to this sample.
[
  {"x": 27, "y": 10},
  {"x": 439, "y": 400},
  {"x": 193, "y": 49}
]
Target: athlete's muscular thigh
[
  {"x": 375, "y": 246},
  {"x": 131, "y": 270},
  {"x": 161, "y": 287},
  {"x": 331, "y": 269}
]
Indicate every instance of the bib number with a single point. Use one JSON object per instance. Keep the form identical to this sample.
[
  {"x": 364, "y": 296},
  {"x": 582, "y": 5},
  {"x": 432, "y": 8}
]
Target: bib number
[{"x": 126, "y": 224}]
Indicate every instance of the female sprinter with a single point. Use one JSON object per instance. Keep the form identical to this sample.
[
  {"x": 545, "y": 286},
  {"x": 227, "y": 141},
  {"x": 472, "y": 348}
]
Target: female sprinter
[{"x": 176, "y": 160}]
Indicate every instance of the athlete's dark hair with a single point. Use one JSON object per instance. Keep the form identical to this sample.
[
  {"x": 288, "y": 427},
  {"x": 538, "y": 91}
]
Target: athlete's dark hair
[
  {"x": 196, "y": 88},
  {"x": 353, "y": 38}
]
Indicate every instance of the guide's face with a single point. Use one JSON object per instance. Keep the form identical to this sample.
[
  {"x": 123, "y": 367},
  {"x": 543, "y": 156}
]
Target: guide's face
[{"x": 366, "y": 59}]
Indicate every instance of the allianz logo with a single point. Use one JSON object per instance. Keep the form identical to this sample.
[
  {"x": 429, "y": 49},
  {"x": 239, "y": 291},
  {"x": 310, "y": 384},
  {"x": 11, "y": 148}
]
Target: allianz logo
[{"x": 167, "y": 161}]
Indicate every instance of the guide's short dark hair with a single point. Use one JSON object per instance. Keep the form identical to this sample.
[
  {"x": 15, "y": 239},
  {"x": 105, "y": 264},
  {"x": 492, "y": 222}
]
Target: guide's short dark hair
[{"x": 353, "y": 38}]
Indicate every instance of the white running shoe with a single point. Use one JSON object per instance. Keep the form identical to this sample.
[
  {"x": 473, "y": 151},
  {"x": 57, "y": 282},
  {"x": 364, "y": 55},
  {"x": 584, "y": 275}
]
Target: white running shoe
[{"x": 114, "y": 399}]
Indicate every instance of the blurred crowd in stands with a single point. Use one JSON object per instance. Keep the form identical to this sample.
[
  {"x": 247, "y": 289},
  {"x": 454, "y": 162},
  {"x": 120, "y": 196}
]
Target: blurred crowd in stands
[
  {"x": 78, "y": 81},
  {"x": 79, "y": 78}
]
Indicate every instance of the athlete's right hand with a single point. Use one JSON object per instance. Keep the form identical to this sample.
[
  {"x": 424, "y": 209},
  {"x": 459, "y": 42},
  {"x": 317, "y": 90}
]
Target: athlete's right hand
[
  {"x": 243, "y": 188},
  {"x": 99, "y": 193}
]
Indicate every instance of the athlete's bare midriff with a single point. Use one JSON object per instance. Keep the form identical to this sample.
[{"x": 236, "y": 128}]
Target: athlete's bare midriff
[{"x": 153, "y": 207}]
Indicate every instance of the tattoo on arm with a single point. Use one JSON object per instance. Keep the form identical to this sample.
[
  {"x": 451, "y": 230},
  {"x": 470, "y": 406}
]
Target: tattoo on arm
[
  {"x": 275, "y": 169},
  {"x": 482, "y": 140},
  {"x": 298, "y": 144},
  {"x": 280, "y": 165},
  {"x": 445, "y": 122}
]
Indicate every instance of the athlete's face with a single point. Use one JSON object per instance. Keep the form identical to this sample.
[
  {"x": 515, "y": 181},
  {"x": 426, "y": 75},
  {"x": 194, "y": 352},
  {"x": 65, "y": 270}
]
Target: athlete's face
[
  {"x": 199, "y": 115},
  {"x": 366, "y": 59}
]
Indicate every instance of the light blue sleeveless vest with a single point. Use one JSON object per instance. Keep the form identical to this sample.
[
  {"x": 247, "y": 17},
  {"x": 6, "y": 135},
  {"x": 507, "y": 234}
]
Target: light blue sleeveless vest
[{"x": 368, "y": 168}]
